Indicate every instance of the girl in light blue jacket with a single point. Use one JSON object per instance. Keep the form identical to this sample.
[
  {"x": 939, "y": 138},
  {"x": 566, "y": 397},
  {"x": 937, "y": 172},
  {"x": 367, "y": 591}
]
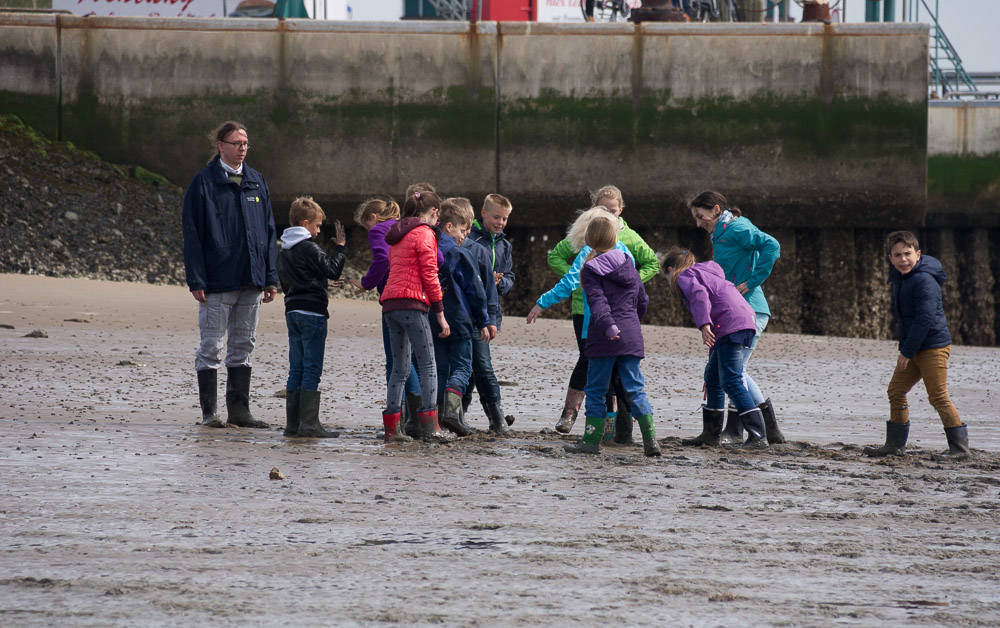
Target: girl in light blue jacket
[{"x": 570, "y": 282}]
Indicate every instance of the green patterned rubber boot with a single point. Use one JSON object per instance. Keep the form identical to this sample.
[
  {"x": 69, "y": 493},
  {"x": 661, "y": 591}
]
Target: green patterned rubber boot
[
  {"x": 649, "y": 445},
  {"x": 592, "y": 436},
  {"x": 609, "y": 427}
]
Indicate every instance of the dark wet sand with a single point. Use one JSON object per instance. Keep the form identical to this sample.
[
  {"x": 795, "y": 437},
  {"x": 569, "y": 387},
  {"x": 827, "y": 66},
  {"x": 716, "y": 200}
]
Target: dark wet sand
[{"x": 117, "y": 510}]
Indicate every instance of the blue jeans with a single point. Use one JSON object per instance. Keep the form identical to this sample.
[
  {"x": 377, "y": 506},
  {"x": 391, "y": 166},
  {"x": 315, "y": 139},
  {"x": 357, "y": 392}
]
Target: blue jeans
[
  {"x": 412, "y": 381},
  {"x": 483, "y": 376},
  {"x": 751, "y": 385},
  {"x": 599, "y": 371},
  {"x": 454, "y": 364},
  {"x": 306, "y": 347},
  {"x": 410, "y": 331},
  {"x": 724, "y": 376}
]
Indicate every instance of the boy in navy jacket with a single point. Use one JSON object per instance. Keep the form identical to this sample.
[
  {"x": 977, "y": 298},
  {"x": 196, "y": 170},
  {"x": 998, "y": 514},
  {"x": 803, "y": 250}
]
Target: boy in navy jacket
[
  {"x": 489, "y": 233},
  {"x": 924, "y": 347},
  {"x": 465, "y": 309}
]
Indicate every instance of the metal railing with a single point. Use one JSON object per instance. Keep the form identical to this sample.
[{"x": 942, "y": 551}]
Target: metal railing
[{"x": 947, "y": 74}]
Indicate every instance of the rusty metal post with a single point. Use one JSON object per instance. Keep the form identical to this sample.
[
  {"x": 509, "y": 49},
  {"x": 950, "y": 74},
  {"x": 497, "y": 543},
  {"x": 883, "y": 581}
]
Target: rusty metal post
[
  {"x": 657, "y": 11},
  {"x": 816, "y": 11}
]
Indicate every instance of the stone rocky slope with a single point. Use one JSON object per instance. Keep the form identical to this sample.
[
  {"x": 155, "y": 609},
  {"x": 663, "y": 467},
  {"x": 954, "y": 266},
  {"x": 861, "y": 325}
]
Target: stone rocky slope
[{"x": 66, "y": 213}]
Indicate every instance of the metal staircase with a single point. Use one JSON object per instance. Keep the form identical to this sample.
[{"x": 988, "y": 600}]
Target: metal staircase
[{"x": 947, "y": 75}]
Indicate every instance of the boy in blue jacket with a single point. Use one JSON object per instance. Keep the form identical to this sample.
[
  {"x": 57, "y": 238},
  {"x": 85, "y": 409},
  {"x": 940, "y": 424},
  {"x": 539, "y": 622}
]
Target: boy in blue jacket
[
  {"x": 465, "y": 309},
  {"x": 924, "y": 347},
  {"x": 484, "y": 379}
]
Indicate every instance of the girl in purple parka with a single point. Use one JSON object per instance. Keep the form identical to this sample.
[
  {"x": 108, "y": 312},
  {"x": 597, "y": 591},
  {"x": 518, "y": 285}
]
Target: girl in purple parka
[
  {"x": 728, "y": 325},
  {"x": 617, "y": 301}
]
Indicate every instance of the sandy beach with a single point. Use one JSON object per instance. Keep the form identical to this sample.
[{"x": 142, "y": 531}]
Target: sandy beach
[{"x": 119, "y": 510}]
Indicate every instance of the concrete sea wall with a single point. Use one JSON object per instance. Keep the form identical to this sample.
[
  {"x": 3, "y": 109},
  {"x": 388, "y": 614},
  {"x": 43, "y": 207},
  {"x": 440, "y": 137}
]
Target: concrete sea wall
[{"x": 819, "y": 133}]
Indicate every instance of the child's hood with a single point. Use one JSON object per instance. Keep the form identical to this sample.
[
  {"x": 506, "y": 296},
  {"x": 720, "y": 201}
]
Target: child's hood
[
  {"x": 486, "y": 233},
  {"x": 926, "y": 264},
  {"x": 710, "y": 268},
  {"x": 445, "y": 243},
  {"x": 399, "y": 230},
  {"x": 293, "y": 235},
  {"x": 613, "y": 265}
]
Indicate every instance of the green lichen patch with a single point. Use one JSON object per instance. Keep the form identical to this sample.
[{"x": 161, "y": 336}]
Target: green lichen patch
[{"x": 953, "y": 176}]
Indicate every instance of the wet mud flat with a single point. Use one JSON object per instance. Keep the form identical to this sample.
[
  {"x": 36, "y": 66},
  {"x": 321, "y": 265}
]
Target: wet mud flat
[{"x": 116, "y": 509}]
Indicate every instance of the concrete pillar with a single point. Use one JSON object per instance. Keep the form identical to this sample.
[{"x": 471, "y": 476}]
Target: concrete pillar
[
  {"x": 834, "y": 295},
  {"x": 941, "y": 244},
  {"x": 874, "y": 296},
  {"x": 976, "y": 283},
  {"x": 783, "y": 289}
]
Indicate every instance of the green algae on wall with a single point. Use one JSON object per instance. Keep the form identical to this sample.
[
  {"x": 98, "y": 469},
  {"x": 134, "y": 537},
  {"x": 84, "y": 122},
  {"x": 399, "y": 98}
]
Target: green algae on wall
[
  {"x": 37, "y": 111},
  {"x": 857, "y": 127},
  {"x": 963, "y": 191}
]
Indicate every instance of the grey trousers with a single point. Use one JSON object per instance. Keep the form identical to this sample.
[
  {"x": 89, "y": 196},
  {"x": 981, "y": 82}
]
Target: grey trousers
[
  {"x": 234, "y": 313},
  {"x": 410, "y": 329}
]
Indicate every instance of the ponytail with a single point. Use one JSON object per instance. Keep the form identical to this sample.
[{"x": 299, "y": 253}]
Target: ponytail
[
  {"x": 420, "y": 203},
  {"x": 680, "y": 260}
]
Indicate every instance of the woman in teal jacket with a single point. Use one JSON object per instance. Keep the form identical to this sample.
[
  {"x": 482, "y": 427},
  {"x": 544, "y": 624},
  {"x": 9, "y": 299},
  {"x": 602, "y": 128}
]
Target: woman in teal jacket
[{"x": 746, "y": 255}]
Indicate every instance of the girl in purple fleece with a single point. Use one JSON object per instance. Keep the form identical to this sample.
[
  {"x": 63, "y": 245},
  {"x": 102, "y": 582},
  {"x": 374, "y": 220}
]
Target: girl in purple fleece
[
  {"x": 617, "y": 300},
  {"x": 728, "y": 325}
]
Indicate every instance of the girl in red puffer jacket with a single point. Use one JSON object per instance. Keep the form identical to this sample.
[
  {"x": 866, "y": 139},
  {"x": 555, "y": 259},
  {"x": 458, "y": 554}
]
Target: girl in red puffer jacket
[{"x": 412, "y": 290}]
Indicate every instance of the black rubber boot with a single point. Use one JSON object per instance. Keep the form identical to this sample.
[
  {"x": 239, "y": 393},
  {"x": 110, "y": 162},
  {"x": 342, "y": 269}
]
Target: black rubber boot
[
  {"x": 208, "y": 397},
  {"x": 958, "y": 445},
  {"x": 467, "y": 397},
  {"x": 711, "y": 421},
  {"x": 451, "y": 416},
  {"x": 238, "y": 399},
  {"x": 411, "y": 423},
  {"x": 291, "y": 412},
  {"x": 732, "y": 434},
  {"x": 753, "y": 423},
  {"x": 895, "y": 441},
  {"x": 774, "y": 435},
  {"x": 498, "y": 424},
  {"x": 309, "y": 425},
  {"x": 623, "y": 425}
]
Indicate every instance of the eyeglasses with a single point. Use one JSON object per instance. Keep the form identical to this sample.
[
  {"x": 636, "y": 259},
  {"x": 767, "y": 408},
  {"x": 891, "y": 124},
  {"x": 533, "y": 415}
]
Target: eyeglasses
[{"x": 237, "y": 144}]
